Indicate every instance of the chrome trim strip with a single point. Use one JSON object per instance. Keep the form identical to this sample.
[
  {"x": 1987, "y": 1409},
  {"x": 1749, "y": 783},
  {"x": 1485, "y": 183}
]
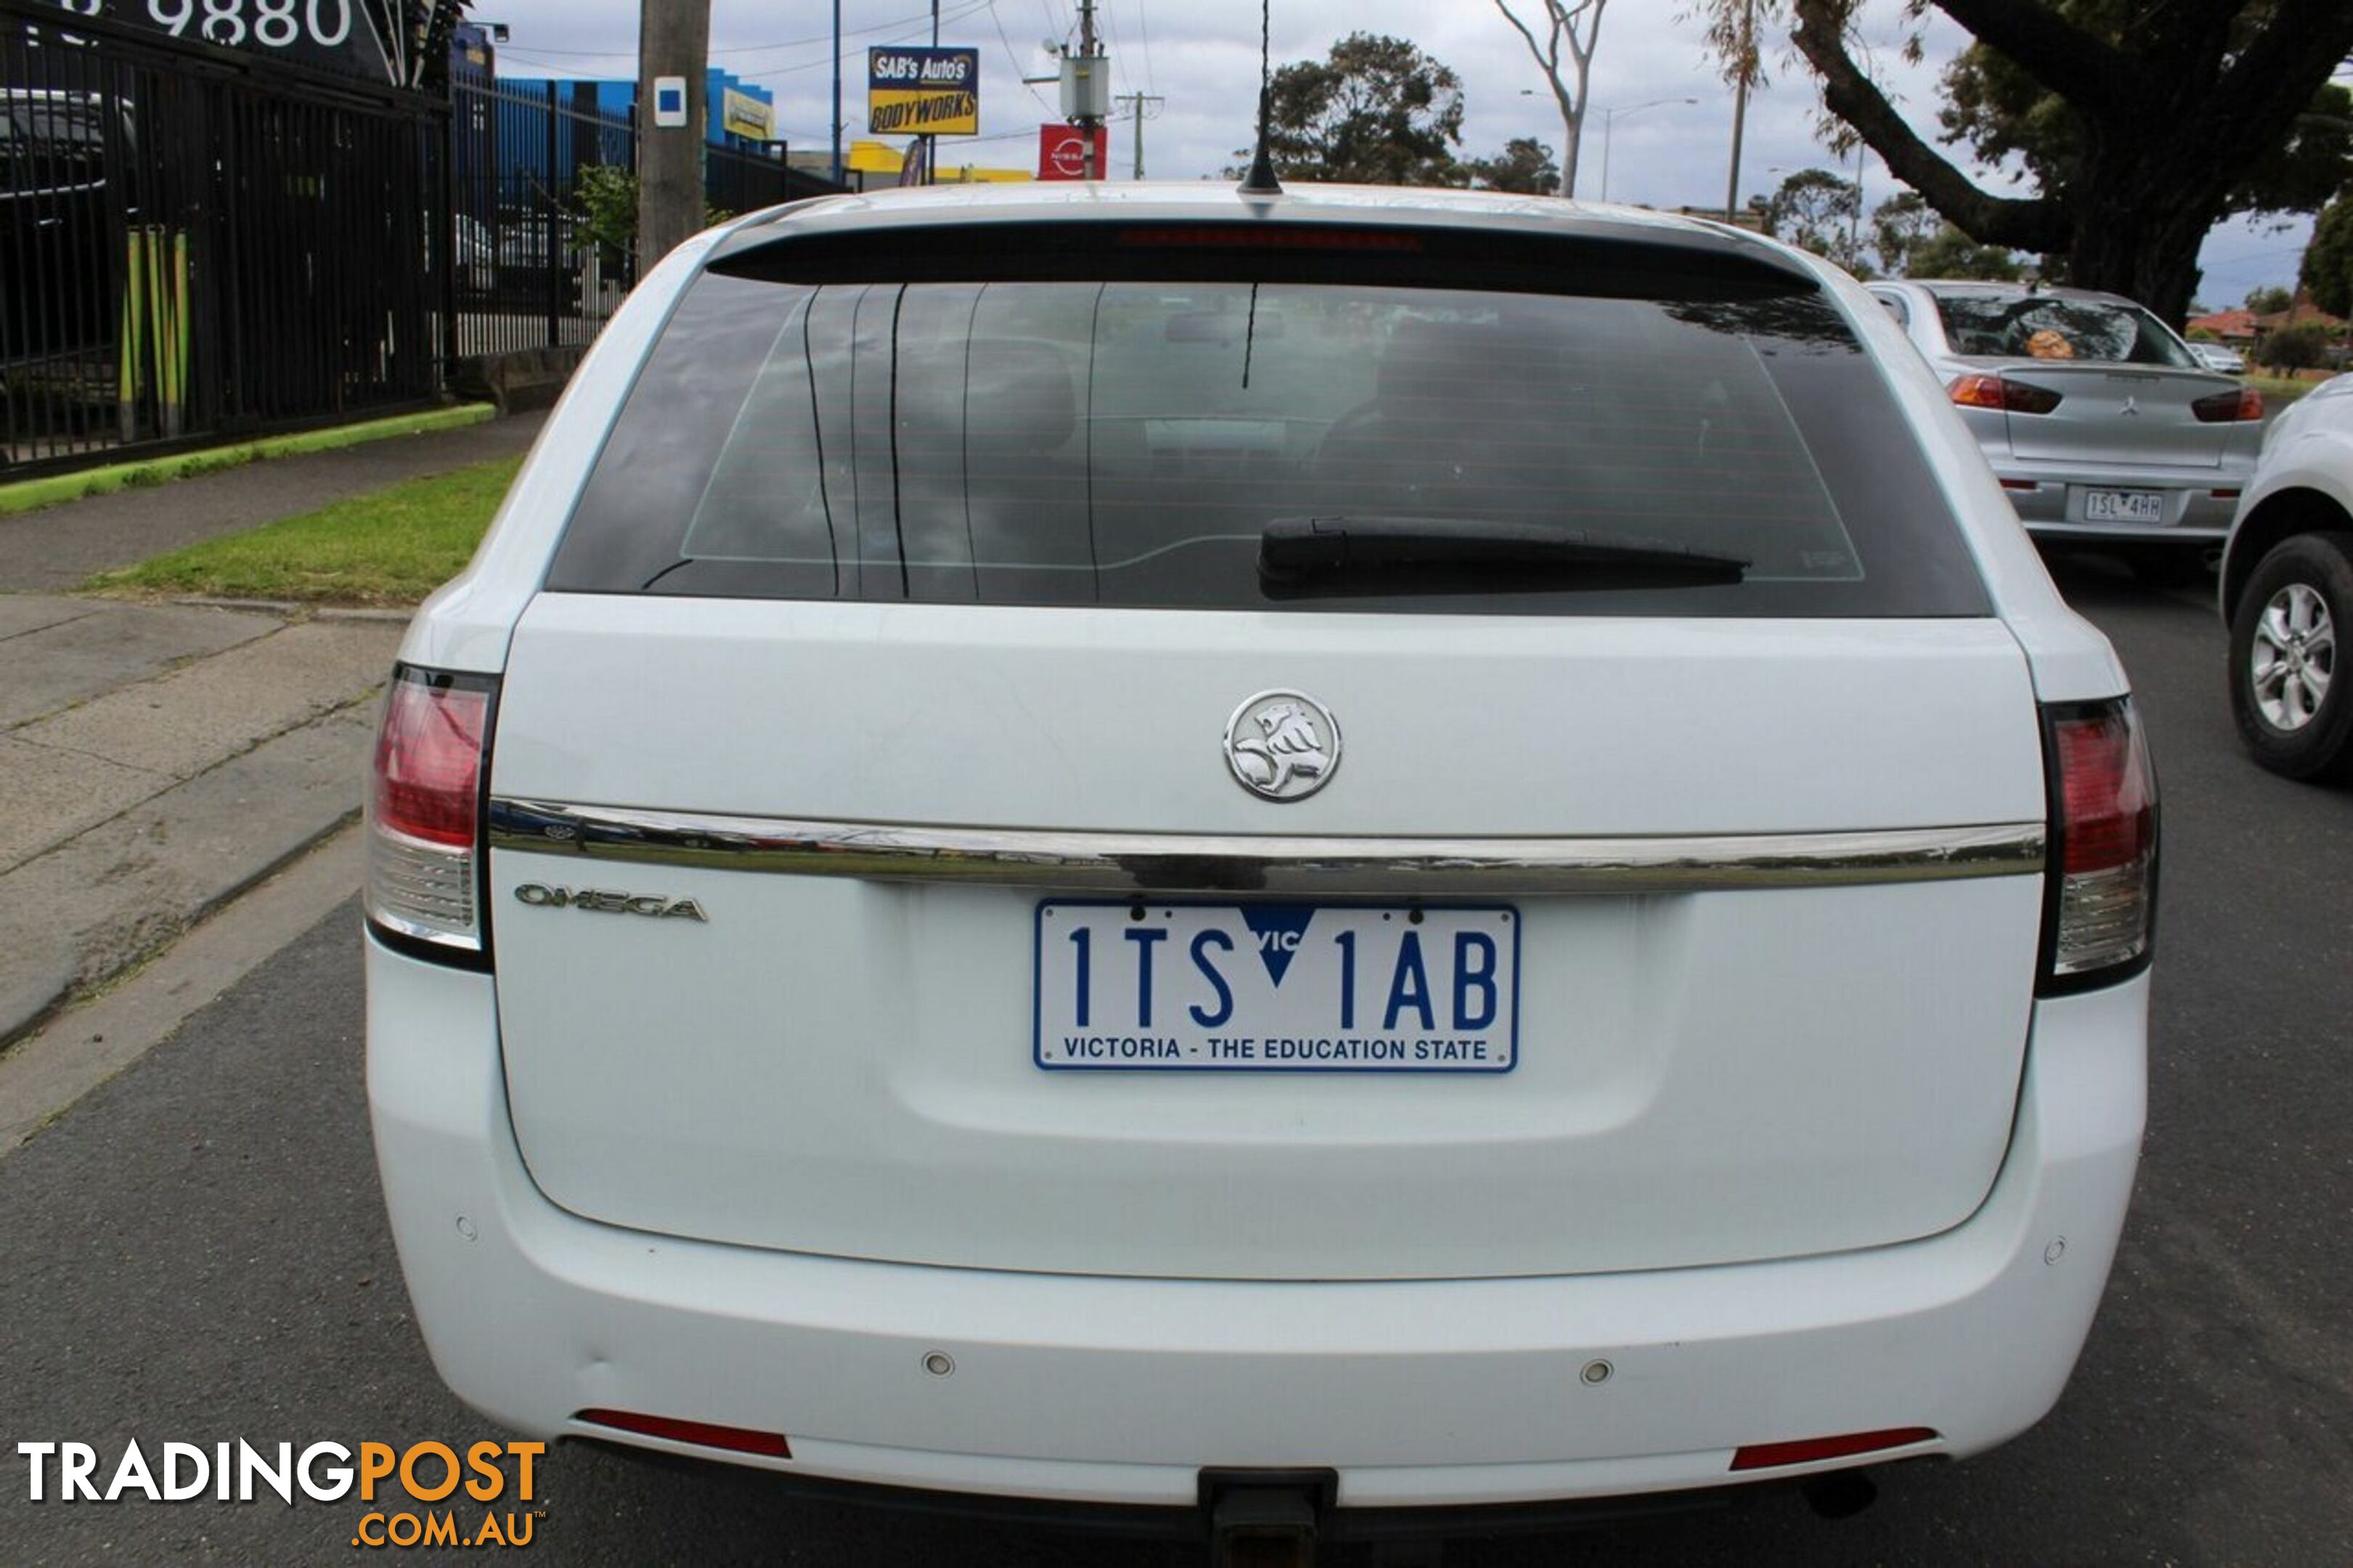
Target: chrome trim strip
[{"x": 1288, "y": 864}]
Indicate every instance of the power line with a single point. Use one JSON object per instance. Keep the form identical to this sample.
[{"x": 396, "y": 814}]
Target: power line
[
  {"x": 914, "y": 26},
  {"x": 1144, "y": 30},
  {"x": 1019, "y": 74},
  {"x": 923, "y": 16},
  {"x": 922, "y": 30},
  {"x": 1118, "y": 50}
]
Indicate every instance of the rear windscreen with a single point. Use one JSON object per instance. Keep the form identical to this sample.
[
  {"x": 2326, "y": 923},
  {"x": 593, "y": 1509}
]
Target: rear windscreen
[
  {"x": 1126, "y": 440},
  {"x": 2043, "y": 327}
]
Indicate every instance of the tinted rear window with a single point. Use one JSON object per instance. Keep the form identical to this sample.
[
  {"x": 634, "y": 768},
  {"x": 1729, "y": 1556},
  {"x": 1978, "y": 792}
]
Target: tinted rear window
[
  {"x": 1123, "y": 435},
  {"x": 2042, "y": 327}
]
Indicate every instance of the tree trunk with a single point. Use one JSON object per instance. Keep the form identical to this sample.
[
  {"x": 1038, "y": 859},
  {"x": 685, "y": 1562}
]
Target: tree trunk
[{"x": 2138, "y": 218}]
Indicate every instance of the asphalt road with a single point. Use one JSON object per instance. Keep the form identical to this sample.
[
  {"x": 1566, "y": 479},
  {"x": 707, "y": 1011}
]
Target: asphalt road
[{"x": 198, "y": 1251}]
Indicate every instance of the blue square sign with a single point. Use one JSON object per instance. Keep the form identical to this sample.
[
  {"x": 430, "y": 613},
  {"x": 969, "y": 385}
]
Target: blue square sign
[{"x": 669, "y": 100}]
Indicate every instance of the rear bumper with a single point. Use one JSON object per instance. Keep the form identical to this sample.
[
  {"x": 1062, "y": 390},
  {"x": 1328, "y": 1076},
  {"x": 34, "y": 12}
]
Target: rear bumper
[
  {"x": 1101, "y": 1390},
  {"x": 2050, "y": 500}
]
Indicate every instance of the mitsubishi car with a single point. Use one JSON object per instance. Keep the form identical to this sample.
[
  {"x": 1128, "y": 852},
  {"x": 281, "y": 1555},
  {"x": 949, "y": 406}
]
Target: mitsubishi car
[
  {"x": 2104, "y": 426},
  {"x": 1001, "y": 882}
]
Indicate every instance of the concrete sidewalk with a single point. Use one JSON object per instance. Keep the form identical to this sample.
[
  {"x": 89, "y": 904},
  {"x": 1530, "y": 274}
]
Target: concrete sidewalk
[{"x": 157, "y": 760}]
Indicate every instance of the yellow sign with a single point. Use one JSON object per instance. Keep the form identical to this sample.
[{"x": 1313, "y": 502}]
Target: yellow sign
[
  {"x": 923, "y": 92},
  {"x": 743, "y": 115},
  {"x": 923, "y": 111}
]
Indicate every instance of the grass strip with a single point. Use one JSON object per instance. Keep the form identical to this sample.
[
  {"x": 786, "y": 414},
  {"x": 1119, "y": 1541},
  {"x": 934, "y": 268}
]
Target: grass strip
[
  {"x": 391, "y": 547},
  {"x": 29, "y": 495}
]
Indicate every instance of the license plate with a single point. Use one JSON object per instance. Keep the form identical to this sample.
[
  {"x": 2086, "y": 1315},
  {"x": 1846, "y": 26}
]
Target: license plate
[
  {"x": 2124, "y": 506},
  {"x": 1276, "y": 987}
]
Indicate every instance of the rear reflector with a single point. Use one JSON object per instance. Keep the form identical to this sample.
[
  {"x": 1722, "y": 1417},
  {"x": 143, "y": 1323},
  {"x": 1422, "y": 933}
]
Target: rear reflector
[
  {"x": 2020, "y": 485},
  {"x": 1998, "y": 391},
  {"x": 2104, "y": 833},
  {"x": 424, "y": 809},
  {"x": 2227, "y": 407},
  {"x": 1812, "y": 1450},
  {"x": 702, "y": 1434}
]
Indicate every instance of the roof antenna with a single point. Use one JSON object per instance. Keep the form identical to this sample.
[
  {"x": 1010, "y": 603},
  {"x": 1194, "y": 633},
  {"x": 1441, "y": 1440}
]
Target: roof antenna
[{"x": 1261, "y": 180}]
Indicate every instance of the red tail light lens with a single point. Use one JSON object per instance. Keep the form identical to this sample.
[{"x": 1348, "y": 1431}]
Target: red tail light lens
[
  {"x": 428, "y": 760},
  {"x": 2229, "y": 407},
  {"x": 424, "y": 809},
  {"x": 1812, "y": 1450},
  {"x": 1998, "y": 391},
  {"x": 703, "y": 1434},
  {"x": 2098, "y": 925}
]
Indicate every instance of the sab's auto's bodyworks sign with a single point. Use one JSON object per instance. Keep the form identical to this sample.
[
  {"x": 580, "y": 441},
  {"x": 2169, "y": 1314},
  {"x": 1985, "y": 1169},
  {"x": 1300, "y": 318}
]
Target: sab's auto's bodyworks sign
[{"x": 927, "y": 92}]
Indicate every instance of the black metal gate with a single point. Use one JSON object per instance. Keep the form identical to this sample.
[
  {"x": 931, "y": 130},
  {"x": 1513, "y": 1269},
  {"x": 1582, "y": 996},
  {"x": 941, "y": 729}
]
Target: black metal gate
[{"x": 199, "y": 244}]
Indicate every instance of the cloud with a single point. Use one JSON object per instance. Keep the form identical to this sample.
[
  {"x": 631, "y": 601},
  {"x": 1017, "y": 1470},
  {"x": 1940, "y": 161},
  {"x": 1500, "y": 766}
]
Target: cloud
[{"x": 1200, "y": 57}]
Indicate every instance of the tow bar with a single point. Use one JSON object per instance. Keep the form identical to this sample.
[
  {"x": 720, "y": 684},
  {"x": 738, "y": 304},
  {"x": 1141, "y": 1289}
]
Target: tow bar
[{"x": 1266, "y": 1518}]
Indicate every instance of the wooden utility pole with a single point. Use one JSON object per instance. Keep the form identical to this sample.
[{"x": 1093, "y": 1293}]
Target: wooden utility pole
[
  {"x": 1087, "y": 119},
  {"x": 1136, "y": 102},
  {"x": 673, "y": 43}
]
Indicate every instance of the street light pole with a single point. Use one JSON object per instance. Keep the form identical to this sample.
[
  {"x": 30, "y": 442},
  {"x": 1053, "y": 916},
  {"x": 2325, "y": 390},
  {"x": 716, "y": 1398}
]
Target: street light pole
[{"x": 1609, "y": 121}]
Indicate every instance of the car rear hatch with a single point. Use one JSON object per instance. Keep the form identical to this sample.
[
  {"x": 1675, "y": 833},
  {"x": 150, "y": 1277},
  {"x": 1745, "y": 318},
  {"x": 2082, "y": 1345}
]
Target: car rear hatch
[
  {"x": 932, "y": 822},
  {"x": 2085, "y": 379},
  {"x": 2128, "y": 416}
]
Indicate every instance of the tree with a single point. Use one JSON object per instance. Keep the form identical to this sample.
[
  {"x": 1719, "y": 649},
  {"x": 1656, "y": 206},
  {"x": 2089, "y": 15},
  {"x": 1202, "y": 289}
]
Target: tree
[
  {"x": 2327, "y": 269},
  {"x": 1899, "y": 226},
  {"x": 1377, "y": 112},
  {"x": 1912, "y": 240},
  {"x": 2145, "y": 126},
  {"x": 2293, "y": 348},
  {"x": 1816, "y": 210},
  {"x": 2269, "y": 301},
  {"x": 1526, "y": 167},
  {"x": 1573, "y": 27},
  {"x": 1949, "y": 253}
]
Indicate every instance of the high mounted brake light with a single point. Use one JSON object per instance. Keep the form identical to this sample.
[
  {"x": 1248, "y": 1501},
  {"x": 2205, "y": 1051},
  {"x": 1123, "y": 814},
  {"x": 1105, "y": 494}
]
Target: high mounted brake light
[
  {"x": 424, "y": 837},
  {"x": 2099, "y": 916}
]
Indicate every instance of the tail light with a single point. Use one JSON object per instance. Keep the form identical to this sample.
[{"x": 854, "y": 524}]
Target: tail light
[
  {"x": 2229, "y": 407},
  {"x": 2000, "y": 392},
  {"x": 2099, "y": 916},
  {"x": 425, "y": 813}
]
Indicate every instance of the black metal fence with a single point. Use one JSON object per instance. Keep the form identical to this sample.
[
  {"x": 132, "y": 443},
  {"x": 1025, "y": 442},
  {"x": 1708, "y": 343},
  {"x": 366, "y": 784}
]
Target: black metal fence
[
  {"x": 544, "y": 205},
  {"x": 200, "y": 246},
  {"x": 196, "y": 244}
]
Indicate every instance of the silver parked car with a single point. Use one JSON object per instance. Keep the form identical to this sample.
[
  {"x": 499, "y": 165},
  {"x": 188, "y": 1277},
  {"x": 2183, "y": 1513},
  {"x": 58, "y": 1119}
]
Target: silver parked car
[
  {"x": 2101, "y": 423},
  {"x": 2287, "y": 591}
]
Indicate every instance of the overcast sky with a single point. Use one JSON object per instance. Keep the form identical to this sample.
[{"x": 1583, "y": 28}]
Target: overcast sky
[{"x": 1201, "y": 58}]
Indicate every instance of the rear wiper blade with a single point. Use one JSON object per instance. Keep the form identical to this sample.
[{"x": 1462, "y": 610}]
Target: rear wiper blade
[{"x": 1299, "y": 555}]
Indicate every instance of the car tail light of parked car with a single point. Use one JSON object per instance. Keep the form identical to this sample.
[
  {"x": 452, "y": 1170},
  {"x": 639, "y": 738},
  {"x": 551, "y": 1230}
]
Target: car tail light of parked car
[
  {"x": 2104, "y": 829},
  {"x": 2228, "y": 407},
  {"x": 1996, "y": 392},
  {"x": 425, "y": 810}
]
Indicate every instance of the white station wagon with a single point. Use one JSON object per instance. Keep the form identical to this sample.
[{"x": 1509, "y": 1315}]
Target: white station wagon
[{"x": 1289, "y": 861}]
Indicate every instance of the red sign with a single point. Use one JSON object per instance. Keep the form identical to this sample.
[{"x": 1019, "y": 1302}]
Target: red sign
[{"x": 1062, "y": 152}]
